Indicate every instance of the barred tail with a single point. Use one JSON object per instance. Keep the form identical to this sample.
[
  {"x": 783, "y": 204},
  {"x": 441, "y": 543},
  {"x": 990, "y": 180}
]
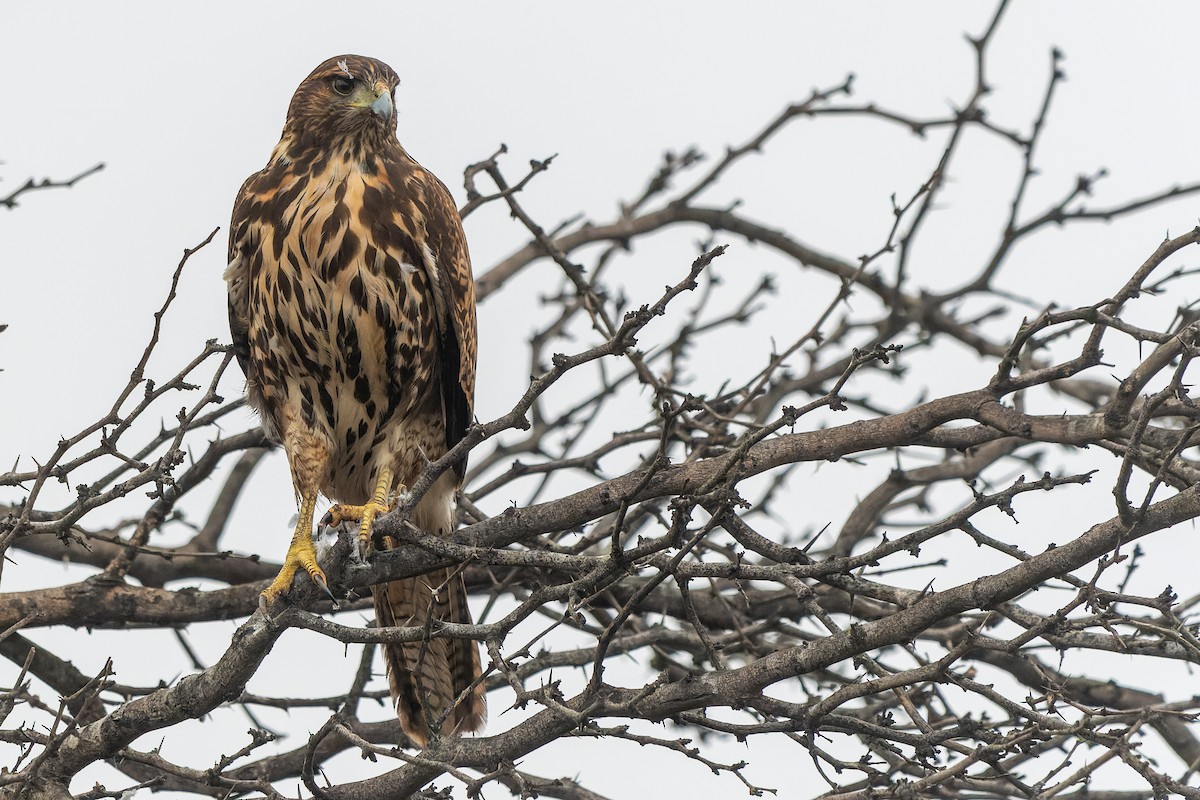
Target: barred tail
[{"x": 427, "y": 676}]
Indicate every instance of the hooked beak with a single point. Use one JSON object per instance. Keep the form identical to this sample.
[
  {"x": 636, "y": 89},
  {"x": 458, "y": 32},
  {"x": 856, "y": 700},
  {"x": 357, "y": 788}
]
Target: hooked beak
[
  {"x": 381, "y": 106},
  {"x": 378, "y": 99}
]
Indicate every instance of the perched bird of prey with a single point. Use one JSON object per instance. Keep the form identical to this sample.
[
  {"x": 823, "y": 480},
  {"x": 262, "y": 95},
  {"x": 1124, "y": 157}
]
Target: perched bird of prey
[{"x": 352, "y": 310}]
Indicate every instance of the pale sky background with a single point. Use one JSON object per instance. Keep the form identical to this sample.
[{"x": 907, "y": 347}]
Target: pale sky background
[{"x": 183, "y": 101}]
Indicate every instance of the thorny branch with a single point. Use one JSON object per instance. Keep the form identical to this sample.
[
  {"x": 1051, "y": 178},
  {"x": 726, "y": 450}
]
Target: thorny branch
[{"x": 633, "y": 507}]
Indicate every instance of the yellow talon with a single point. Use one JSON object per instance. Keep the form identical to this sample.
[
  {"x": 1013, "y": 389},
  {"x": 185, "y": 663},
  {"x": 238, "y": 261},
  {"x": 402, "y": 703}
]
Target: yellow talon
[
  {"x": 340, "y": 512},
  {"x": 366, "y": 513},
  {"x": 301, "y": 554}
]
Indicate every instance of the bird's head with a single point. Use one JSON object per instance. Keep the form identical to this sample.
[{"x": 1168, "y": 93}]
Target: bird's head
[{"x": 346, "y": 97}]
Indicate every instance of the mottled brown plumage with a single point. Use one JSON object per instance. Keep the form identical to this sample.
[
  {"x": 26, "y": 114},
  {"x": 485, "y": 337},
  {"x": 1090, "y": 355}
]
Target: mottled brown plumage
[{"x": 352, "y": 309}]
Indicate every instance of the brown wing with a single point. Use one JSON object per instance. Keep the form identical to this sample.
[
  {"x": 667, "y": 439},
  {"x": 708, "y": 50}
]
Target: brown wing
[
  {"x": 444, "y": 256},
  {"x": 449, "y": 243},
  {"x": 237, "y": 278}
]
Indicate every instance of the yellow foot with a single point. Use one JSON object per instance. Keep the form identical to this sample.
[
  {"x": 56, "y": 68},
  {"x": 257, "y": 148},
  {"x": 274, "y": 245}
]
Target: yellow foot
[
  {"x": 365, "y": 514},
  {"x": 339, "y": 513},
  {"x": 301, "y": 554}
]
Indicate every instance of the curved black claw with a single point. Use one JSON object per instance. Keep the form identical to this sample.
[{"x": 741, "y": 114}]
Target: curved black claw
[{"x": 320, "y": 581}]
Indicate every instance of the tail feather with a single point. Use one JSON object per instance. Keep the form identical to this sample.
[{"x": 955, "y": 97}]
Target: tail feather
[
  {"x": 471, "y": 713},
  {"x": 426, "y": 677}
]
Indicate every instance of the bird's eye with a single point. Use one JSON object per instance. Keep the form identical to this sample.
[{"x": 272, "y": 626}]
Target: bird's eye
[{"x": 342, "y": 85}]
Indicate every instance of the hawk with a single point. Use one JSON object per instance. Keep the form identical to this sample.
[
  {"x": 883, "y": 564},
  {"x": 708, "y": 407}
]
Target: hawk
[{"x": 352, "y": 309}]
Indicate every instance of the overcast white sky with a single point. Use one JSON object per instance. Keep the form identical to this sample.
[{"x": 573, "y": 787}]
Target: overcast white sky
[{"x": 183, "y": 101}]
